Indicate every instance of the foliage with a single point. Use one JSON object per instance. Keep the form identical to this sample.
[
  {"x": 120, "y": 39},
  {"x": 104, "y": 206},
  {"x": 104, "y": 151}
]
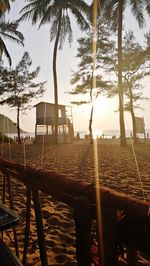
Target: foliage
[
  {"x": 137, "y": 8},
  {"x": 48, "y": 12},
  {"x": 83, "y": 77},
  {"x": 135, "y": 68},
  {"x": 84, "y": 74},
  {"x": 135, "y": 65},
  {"x": 135, "y": 61},
  {"x": 17, "y": 88},
  {"x": 8, "y": 30},
  {"x": 115, "y": 10}
]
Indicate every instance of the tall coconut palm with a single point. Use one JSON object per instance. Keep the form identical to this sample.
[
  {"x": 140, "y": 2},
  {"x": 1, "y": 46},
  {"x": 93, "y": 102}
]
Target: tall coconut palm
[
  {"x": 9, "y": 31},
  {"x": 56, "y": 12},
  {"x": 116, "y": 9}
]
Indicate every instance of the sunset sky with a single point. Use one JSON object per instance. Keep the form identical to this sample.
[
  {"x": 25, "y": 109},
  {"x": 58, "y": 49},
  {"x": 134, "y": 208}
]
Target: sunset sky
[{"x": 40, "y": 49}]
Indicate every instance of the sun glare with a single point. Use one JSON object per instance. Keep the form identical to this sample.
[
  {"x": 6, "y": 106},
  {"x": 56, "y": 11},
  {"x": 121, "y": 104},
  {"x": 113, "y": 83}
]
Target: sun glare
[
  {"x": 104, "y": 117},
  {"x": 97, "y": 134},
  {"x": 101, "y": 105}
]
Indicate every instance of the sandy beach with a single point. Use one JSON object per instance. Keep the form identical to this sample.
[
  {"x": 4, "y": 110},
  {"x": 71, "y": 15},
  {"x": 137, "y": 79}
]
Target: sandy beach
[{"x": 123, "y": 169}]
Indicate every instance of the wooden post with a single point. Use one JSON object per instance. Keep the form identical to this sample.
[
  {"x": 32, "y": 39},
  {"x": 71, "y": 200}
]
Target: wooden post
[
  {"x": 4, "y": 188},
  {"x": 83, "y": 222},
  {"x": 3, "y": 195},
  {"x": 27, "y": 229},
  {"x": 39, "y": 226},
  {"x": 132, "y": 257},
  {"x": 12, "y": 207},
  {"x": 109, "y": 231}
]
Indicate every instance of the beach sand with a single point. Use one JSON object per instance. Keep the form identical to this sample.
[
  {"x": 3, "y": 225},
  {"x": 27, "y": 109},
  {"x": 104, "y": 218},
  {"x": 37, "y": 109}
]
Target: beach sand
[{"x": 123, "y": 169}]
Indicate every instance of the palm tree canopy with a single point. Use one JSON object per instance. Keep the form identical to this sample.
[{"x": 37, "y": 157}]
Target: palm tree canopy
[
  {"x": 137, "y": 7},
  {"x": 8, "y": 30},
  {"x": 49, "y": 10}
]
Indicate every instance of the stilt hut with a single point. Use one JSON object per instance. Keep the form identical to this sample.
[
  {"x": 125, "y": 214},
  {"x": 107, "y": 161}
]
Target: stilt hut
[{"x": 45, "y": 123}]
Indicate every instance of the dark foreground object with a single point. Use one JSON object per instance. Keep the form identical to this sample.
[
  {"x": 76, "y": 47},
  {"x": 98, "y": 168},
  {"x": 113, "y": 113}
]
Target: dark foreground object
[
  {"x": 6, "y": 257},
  {"x": 8, "y": 218}
]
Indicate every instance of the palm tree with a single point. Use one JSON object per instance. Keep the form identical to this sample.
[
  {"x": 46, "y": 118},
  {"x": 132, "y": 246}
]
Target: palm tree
[
  {"x": 116, "y": 9},
  {"x": 8, "y": 30},
  {"x": 56, "y": 12}
]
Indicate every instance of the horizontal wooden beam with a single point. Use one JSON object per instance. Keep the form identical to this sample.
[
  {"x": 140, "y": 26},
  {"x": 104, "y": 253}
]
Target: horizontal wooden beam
[{"x": 67, "y": 189}]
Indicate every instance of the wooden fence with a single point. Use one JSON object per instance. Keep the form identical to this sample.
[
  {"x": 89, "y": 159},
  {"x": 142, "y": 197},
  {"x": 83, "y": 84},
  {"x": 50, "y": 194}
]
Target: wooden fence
[{"x": 81, "y": 196}]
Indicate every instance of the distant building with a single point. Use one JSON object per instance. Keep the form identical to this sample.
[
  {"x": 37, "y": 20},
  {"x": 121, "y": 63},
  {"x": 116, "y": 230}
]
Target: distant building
[
  {"x": 140, "y": 125},
  {"x": 45, "y": 123}
]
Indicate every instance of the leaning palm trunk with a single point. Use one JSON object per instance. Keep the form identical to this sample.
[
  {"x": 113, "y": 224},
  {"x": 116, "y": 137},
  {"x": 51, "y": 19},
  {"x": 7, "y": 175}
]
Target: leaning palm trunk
[
  {"x": 55, "y": 77},
  {"x": 120, "y": 87}
]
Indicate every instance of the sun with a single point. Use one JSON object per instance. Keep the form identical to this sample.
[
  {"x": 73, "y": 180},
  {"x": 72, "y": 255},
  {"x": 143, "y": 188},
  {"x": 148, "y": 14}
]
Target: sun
[
  {"x": 101, "y": 105},
  {"x": 97, "y": 133},
  {"x": 104, "y": 115}
]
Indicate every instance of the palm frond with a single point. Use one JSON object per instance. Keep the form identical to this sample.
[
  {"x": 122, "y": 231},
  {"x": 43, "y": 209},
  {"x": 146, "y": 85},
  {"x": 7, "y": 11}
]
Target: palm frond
[
  {"x": 30, "y": 11},
  {"x": 11, "y": 30},
  {"x": 12, "y": 38},
  {"x": 137, "y": 8},
  {"x": 84, "y": 25},
  {"x": 53, "y": 29},
  {"x": 147, "y": 2},
  {"x": 36, "y": 11},
  {"x": 5, "y": 51},
  {"x": 66, "y": 30},
  {"x": 48, "y": 15}
]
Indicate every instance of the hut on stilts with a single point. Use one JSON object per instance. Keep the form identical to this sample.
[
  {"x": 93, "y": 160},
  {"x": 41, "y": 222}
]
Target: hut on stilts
[{"x": 45, "y": 123}]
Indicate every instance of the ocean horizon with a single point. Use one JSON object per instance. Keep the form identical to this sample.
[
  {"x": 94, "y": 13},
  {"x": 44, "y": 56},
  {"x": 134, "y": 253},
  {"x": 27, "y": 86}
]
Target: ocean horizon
[
  {"x": 111, "y": 133},
  {"x": 100, "y": 133}
]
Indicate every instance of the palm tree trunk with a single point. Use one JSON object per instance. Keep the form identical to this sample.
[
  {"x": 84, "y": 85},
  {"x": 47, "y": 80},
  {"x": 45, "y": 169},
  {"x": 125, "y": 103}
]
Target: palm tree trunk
[
  {"x": 55, "y": 77},
  {"x": 120, "y": 87}
]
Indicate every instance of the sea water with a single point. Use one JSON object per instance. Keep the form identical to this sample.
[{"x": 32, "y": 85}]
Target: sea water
[
  {"x": 102, "y": 133},
  {"x": 113, "y": 133}
]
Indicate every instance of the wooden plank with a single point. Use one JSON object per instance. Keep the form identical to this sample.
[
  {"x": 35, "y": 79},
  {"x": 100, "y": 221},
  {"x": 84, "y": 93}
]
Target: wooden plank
[
  {"x": 67, "y": 189},
  {"x": 39, "y": 226}
]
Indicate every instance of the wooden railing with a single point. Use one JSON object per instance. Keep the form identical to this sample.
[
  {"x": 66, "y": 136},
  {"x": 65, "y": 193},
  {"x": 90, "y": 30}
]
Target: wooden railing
[{"x": 80, "y": 195}]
